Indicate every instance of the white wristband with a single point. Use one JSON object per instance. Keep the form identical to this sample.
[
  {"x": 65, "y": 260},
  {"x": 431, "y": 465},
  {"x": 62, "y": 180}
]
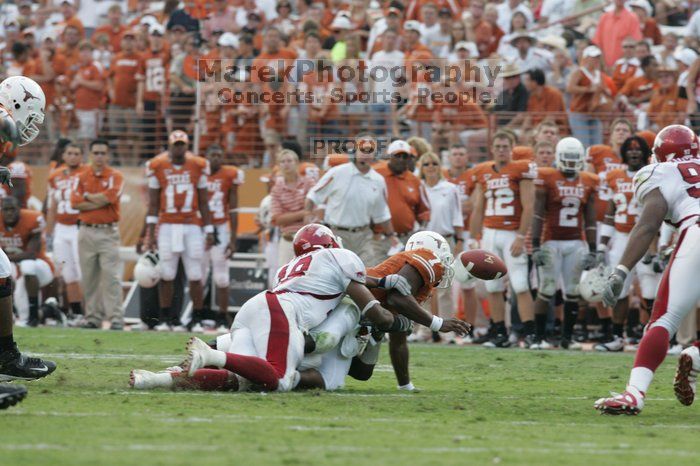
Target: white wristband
[
  {"x": 369, "y": 306},
  {"x": 208, "y": 229},
  {"x": 623, "y": 269},
  {"x": 436, "y": 324},
  {"x": 151, "y": 219}
]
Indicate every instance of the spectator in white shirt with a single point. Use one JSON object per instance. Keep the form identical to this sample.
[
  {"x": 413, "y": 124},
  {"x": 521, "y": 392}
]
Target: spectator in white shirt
[
  {"x": 430, "y": 26},
  {"x": 445, "y": 218},
  {"x": 506, "y": 10},
  {"x": 693, "y": 28},
  {"x": 382, "y": 86},
  {"x": 355, "y": 196}
]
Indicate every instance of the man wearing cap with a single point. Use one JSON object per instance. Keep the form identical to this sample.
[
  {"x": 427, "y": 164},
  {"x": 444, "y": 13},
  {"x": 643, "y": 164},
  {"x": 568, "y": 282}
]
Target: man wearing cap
[
  {"x": 438, "y": 39},
  {"x": 88, "y": 86},
  {"x": 411, "y": 43},
  {"x": 613, "y": 27},
  {"x": 125, "y": 73},
  {"x": 69, "y": 18},
  {"x": 392, "y": 20},
  {"x": 355, "y": 196},
  {"x": 408, "y": 202},
  {"x": 513, "y": 97},
  {"x": 177, "y": 203},
  {"x": 529, "y": 57},
  {"x": 684, "y": 60},
  {"x": 650, "y": 30},
  {"x": 222, "y": 18},
  {"x": 96, "y": 196},
  {"x": 114, "y": 29},
  {"x": 151, "y": 90}
]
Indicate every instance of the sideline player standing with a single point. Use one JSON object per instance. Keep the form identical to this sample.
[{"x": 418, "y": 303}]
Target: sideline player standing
[
  {"x": 26, "y": 100},
  {"x": 668, "y": 191}
]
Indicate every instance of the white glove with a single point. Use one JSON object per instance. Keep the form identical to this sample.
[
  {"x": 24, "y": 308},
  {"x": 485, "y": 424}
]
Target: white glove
[
  {"x": 396, "y": 282},
  {"x": 614, "y": 287}
]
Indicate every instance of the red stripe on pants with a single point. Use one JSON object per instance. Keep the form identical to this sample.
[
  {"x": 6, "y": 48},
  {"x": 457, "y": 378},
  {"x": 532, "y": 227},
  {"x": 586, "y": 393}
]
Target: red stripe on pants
[
  {"x": 662, "y": 295},
  {"x": 278, "y": 341}
]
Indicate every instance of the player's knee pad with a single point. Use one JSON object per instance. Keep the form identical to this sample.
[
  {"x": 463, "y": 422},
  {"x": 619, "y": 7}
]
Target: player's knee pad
[
  {"x": 6, "y": 285},
  {"x": 193, "y": 268},
  {"x": 495, "y": 286},
  {"x": 220, "y": 274},
  {"x": 28, "y": 267},
  {"x": 547, "y": 286},
  {"x": 519, "y": 279},
  {"x": 671, "y": 321},
  {"x": 168, "y": 267}
]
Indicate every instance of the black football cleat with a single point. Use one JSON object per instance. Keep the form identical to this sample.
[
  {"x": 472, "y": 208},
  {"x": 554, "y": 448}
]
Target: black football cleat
[
  {"x": 10, "y": 395},
  {"x": 17, "y": 366}
]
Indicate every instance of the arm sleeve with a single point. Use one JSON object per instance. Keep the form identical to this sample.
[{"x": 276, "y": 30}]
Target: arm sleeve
[
  {"x": 76, "y": 195},
  {"x": 115, "y": 186},
  {"x": 381, "y": 212}
]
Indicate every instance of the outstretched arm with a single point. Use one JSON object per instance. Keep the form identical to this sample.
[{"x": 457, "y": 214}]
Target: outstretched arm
[
  {"x": 646, "y": 229},
  {"x": 374, "y": 312}
]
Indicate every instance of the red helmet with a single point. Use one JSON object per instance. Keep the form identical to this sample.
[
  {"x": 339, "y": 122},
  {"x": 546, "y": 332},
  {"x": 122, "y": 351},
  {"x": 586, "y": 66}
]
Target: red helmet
[
  {"x": 675, "y": 142},
  {"x": 312, "y": 237}
]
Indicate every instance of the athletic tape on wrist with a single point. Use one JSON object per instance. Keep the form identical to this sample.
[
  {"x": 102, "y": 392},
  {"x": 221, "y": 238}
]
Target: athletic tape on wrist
[
  {"x": 369, "y": 306},
  {"x": 436, "y": 324},
  {"x": 151, "y": 220},
  {"x": 622, "y": 269}
]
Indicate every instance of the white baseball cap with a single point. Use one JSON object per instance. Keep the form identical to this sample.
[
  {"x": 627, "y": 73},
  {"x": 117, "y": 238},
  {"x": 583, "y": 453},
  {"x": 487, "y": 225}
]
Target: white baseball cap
[
  {"x": 341, "y": 22},
  {"x": 412, "y": 25},
  {"x": 156, "y": 29},
  {"x": 399, "y": 147},
  {"x": 468, "y": 46},
  {"x": 686, "y": 56},
  {"x": 591, "y": 51},
  {"x": 228, "y": 39}
]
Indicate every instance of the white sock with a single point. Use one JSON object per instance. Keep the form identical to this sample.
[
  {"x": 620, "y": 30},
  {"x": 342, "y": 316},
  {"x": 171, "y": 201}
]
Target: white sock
[
  {"x": 640, "y": 378},
  {"x": 216, "y": 358},
  {"x": 164, "y": 379}
]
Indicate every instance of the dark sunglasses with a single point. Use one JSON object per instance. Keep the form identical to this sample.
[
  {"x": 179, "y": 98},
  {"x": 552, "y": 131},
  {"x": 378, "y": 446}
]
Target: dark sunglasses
[
  {"x": 431, "y": 164},
  {"x": 403, "y": 155}
]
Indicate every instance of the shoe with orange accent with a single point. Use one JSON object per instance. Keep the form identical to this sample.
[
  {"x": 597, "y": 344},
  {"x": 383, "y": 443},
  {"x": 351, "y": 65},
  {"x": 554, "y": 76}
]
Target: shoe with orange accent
[
  {"x": 687, "y": 375},
  {"x": 630, "y": 402}
]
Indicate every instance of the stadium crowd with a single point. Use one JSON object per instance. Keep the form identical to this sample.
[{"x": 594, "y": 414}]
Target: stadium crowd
[{"x": 129, "y": 72}]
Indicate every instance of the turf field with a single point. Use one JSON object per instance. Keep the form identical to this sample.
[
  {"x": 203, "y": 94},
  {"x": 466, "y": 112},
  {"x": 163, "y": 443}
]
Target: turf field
[{"x": 476, "y": 406}]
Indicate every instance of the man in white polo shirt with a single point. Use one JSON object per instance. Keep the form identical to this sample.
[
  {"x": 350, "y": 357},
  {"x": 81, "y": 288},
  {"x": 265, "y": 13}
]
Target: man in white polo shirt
[{"x": 355, "y": 196}]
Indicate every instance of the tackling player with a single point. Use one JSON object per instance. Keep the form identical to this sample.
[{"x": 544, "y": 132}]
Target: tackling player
[
  {"x": 177, "y": 202},
  {"x": 504, "y": 198},
  {"x": 667, "y": 191},
  {"x": 564, "y": 203},
  {"x": 222, "y": 187},
  {"x": 622, "y": 215},
  {"x": 22, "y": 105}
]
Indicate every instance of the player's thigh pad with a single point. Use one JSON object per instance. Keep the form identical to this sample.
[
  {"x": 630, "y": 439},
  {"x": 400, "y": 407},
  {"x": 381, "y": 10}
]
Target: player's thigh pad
[
  {"x": 65, "y": 247},
  {"x": 168, "y": 257},
  {"x": 517, "y": 266},
  {"x": 38, "y": 268},
  {"x": 194, "y": 252},
  {"x": 572, "y": 254}
]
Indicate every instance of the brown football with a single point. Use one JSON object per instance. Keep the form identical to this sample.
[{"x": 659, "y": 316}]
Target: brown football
[{"x": 483, "y": 264}]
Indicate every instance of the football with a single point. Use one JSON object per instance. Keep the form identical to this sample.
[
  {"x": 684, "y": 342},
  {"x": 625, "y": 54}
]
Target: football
[{"x": 483, "y": 264}]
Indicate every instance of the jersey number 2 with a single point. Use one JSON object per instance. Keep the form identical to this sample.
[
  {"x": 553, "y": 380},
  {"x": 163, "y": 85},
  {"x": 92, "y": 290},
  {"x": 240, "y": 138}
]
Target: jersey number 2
[{"x": 690, "y": 171}]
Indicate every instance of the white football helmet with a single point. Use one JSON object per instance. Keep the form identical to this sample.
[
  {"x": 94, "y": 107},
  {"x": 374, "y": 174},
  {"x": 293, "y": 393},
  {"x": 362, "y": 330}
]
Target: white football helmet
[
  {"x": 570, "y": 156},
  {"x": 25, "y": 101},
  {"x": 436, "y": 243},
  {"x": 147, "y": 270},
  {"x": 593, "y": 283}
]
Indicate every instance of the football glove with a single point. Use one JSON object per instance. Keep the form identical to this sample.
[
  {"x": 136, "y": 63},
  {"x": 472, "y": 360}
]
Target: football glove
[
  {"x": 5, "y": 176},
  {"x": 648, "y": 258},
  {"x": 395, "y": 282},
  {"x": 541, "y": 257},
  {"x": 591, "y": 260},
  {"x": 613, "y": 287}
]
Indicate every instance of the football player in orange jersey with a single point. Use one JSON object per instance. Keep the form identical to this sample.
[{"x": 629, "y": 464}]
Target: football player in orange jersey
[
  {"x": 622, "y": 215},
  {"x": 463, "y": 177},
  {"x": 27, "y": 103},
  {"x": 177, "y": 202},
  {"x": 504, "y": 199},
  {"x": 62, "y": 224},
  {"x": 564, "y": 204},
  {"x": 222, "y": 186}
]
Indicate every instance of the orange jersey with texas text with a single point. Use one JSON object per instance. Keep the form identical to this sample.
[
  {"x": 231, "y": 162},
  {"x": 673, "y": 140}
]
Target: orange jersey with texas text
[
  {"x": 178, "y": 186},
  {"x": 15, "y": 239},
  {"x": 626, "y": 208},
  {"x": 603, "y": 160},
  {"x": 423, "y": 260},
  {"x": 61, "y": 184},
  {"x": 503, "y": 208},
  {"x": 566, "y": 199},
  {"x": 219, "y": 185}
]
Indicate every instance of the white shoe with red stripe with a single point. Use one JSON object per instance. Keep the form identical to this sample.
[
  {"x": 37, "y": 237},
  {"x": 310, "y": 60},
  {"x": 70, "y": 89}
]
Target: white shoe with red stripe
[
  {"x": 687, "y": 375},
  {"x": 630, "y": 402}
]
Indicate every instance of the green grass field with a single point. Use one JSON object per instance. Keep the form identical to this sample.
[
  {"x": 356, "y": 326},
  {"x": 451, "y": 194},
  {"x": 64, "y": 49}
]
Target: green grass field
[{"x": 476, "y": 406}]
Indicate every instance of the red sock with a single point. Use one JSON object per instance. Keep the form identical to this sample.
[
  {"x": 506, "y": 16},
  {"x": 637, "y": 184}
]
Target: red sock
[
  {"x": 652, "y": 349},
  {"x": 207, "y": 380},
  {"x": 257, "y": 370}
]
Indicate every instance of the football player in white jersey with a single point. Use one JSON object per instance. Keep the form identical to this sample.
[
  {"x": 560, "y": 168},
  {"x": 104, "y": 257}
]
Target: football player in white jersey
[
  {"x": 668, "y": 190},
  {"x": 267, "y": 347}
]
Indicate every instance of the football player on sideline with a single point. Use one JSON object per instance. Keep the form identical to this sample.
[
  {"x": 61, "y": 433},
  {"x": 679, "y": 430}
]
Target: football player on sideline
[
  {"x": 667, "y": 191},
  {"x": 177, "y": 201},
  {"x": 504, "y": 199},
  {"x": 22, "y": 105},
  {"x": 564, "y": 202},
  {"x": 622, "y": 215},
  {"x": 222, "y": 187}
]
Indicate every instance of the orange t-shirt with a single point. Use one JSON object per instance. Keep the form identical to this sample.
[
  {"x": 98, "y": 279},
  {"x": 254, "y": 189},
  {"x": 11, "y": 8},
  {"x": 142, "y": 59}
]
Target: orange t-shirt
[
  {"x": 406, "y": 198},
  {"x": 423, "y": 260},
  {"x": 61, "y": 184},
  {"x": 19, "y": 170},
  {"x": 566, "y": 200},
  {"x": 666, "y": 107},
  {"x": 15, "y": 239},
  {"x": 462, "y": 114},
  {"x": 155, "y": 73},
  {"x": 626, "y": 208},
  {"x": 58, "y": 63},
  {"x": 283, "y": 58},
  {"x": 76, "y": 23},
  {"x": 71, "y": 57},
  {"x": 126, "y": 71},
  {"x": 320, "y": 90},
  {"x": 111, "y": 183},
  {"x": 549, "y": 101},
  {"x": 114, "y": 35},
  {"x": 503, "y": 207},
  {"x": 603, "y": 160},
  {"x": 623, "y": 72},
  {"x": 89, "y": 99},
  {"x": 638, "y": 86},
  {"x": 178, "y": 186},
  {"x": 219, "y": 185}
]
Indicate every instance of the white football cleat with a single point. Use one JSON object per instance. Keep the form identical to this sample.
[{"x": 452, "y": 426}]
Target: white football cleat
[
  {"x": 147, "y": 380},
  {"x": 197, "y": 328},
  {"x": 630, "y": 402},
  {"x": 179, "y": 329},
  {"x": 199, "y": 355},
  {"x": 162, "y": 327},
  {"x": 617, "y": 344},
  {"x": 687, "y": 375}
]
